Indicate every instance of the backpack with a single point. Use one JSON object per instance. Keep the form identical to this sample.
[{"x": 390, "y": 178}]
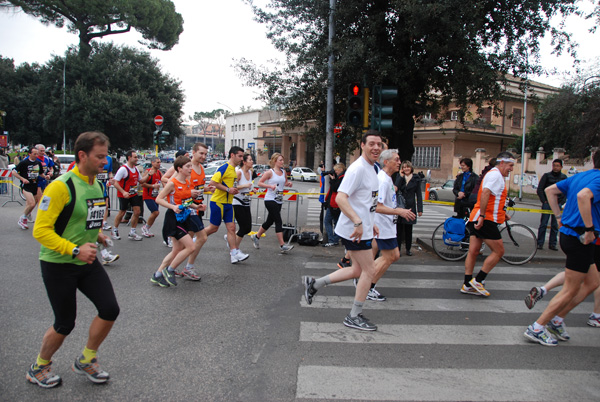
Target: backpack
[
  {"x": 308, "y": 239},
  {"x": 454, "y": 231}
]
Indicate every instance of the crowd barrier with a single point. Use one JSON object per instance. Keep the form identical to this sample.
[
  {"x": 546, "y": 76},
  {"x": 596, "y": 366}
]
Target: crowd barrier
[{"x": 7, "y": 187}]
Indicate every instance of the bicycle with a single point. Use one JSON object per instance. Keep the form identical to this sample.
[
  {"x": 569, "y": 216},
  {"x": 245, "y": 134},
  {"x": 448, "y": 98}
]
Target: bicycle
[{"x": 520, "y": 243}]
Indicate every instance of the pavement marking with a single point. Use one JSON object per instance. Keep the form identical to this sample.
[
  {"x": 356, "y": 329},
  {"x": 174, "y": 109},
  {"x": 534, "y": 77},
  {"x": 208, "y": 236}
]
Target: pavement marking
[
  {"x": 491, "y": 286},
  {"x": 468, "y": 303},
  {"x": 425, "y": 384},
  {"x": 504, "y": 335},
  {"x": 458, "y": 268}
]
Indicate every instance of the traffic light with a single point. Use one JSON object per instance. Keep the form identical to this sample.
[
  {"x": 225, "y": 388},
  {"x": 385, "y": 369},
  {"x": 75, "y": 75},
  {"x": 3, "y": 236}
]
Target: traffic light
[
  {"x": 355, "y": 105},
  {"x": 162, "y": 139},
  {"x": 156, "y": 136},
  {"x": 382, "y": 112}
]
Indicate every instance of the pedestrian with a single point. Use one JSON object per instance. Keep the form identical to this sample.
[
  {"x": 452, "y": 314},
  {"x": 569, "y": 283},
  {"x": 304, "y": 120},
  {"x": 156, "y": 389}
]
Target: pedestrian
[
  {"x": 548, "y": 179},
  {"x": 3, "y": 165},
  {"x": 357, "y": 198},
  {"x": 45, "y": 175},
  {"x": 463, "y": 187},
  {"x": 150, "y": 188},
  {"x": 221, "y": 203},
  {"x": 485, "y": 217},
  {"x": 242, "y": 200},
  {"x": 68, "y": 227},
  {"x": 409, "y": 186},
  {"x": 176, "y": 196},
  {"x": 579, "y": 226},
  {"x": 538, "y": 292},
  {"x": 17, "y": 159},
  {"x": 28, "y": 172},
  {"x": 386, "y": 218},
  {"x": 332, "y": 212},
  {"x": 274, "y": 181},
  {"x": 126, "y": 182}
]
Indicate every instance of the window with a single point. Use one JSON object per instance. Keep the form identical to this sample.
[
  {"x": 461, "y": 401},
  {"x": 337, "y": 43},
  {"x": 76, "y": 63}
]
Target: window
[
  {"x": 243, "y": 127},
  {"x": 486, "y": 115},
  {"x": 454, "y": 115},
  {"x": 427, "y": 157},
  {"x": 427, "y": 116},
  {"x": 516, "y": 118},
  {"x": 253, "y": 126},
  {"x": 232, "y": 128}
]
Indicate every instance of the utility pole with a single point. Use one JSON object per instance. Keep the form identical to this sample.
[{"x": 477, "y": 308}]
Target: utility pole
[{"x": 330, "y": 94}]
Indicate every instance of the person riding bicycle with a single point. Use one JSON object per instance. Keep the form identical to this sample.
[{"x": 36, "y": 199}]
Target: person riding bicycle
[{"x": 485, "y": 217}]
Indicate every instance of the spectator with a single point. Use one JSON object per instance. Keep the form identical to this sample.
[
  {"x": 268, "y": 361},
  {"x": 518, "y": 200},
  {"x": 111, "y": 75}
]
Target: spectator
[
  {"x": 548, "y": 179},
  {"x": 463, "y": 187},
  {"x": 409, "y": 186}
]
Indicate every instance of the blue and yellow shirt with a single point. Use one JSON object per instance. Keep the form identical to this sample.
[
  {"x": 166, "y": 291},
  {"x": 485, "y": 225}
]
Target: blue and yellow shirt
[{"x": 225, "y": 175}]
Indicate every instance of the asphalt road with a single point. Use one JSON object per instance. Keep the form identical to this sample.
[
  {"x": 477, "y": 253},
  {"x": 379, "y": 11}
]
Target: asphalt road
[{"x": 244, "y": 332}]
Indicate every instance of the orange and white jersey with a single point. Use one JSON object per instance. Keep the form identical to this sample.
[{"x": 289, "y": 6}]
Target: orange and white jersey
[{"x": 495, "y": 182}]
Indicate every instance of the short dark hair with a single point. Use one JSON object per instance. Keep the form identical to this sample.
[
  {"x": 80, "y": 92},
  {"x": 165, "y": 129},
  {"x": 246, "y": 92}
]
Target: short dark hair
[
  {"x": 199, "y": 145},
  {"x": 558, "y": 161},
  {"x": 181, "y": 152},
  {"x": 180, "y": 162},
  {"x": 375, "y": 133},
  {"x": 245, "y": 158},
  {"x": 234, "y": 150},
  {"x": 504, "y": 154},
  {"x": 468, "y": 162},
  {"x": 596, "y": 159},
  {"x": 129, "y": 153},
  {"x": 86, "y": 141}
]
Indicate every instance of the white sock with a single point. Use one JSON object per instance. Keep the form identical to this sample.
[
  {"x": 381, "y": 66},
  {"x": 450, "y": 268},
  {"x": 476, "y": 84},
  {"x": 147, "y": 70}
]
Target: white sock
[
  {"x": 595, "y": 315},
  {"x": 537, "y": 327},
  {"x": 557, "y": 320},
  {"x": 544, "y": 291}
]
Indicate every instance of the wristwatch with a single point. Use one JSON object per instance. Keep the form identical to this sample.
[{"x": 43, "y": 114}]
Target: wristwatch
[
  {"x": 75, "y": 252},
  {"x": 590, "y": 229},
  {"x": 357, "y": 224}
]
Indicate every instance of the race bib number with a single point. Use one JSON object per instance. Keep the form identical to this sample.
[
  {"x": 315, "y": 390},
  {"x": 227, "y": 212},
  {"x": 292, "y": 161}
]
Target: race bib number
[
  {"x": 155, "y": 192},
  {"x": 102, "y": 176},
  {"x": 32, "y": 175},
  {"x": 246, "y": 198},
  {"x": 374, "y": 203},
  {"x": 187, "y": 202},
  {"x": 95, "y": 213},
  {"x": 395, "y": 219},
  {"x": 133, "y": 191},
  {"x": 200, "y": 196},
  {"x": 279, "y": 196}
]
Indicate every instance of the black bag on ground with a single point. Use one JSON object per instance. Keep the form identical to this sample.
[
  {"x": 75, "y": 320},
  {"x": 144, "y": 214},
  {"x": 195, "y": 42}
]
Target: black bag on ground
[
  {"x": 288, "y": 231},
  {"x": 308, "y": 239}
]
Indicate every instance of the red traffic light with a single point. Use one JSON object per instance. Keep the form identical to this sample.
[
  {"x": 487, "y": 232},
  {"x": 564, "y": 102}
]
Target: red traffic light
[{"x": 355, "y": 90}]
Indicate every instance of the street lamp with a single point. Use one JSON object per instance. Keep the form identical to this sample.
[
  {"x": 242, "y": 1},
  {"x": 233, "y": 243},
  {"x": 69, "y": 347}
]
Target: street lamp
[{"x": 234, "y": 121}]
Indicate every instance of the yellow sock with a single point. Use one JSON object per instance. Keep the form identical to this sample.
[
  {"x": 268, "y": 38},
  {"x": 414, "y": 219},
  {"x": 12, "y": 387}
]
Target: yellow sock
[
  {"x": 41, "y": 362},
  {"x": 88, "y": 355}
]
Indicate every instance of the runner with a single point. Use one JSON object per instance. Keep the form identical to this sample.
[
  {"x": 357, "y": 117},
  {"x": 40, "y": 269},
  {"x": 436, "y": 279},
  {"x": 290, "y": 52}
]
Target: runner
[
  {"x": 151, "y": 187},
  {"x": 273, "y": 180},
  {"x": 177, "y": 221},
  {"x": 357, "y": 198},
  {"x": 106, "y": 177},
  {"x": 28, "y": 171},
  {"x": 579, "y": 226},
  {"x": 68, "y": 227},
  {"x": 45, "y": 175},
  {"x": 485, "y": 217},
  {"x": 241, "y": 201},
  {"x": 126, "y": 183},
  {"x": 221, "y": 209}
]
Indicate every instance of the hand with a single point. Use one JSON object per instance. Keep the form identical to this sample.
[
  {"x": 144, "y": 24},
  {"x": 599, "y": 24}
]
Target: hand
[
  {"x": 25, "y": 181},
  {"x": 233, "y": 190},
  {"x": 201, "y": 207},
  {"x": 102, "y": 238},
  {"x": 406, "y": 214},
  {"x": 375, "y": 231},
  {"x": 356, "y": 235},
  {"x": 461, "y": 195},
  {"x": 274, "y": 187},
  {"x": 420, "y": 213},
  {"x": 87, "y": 253},
  {"x": 288, "y": 183},
  {"x": 125, "y": 194},
  {"x": 588, "y": 237},
  {"x": 479, "y": 223},
  {"x": 209, "y": 189},
  {"x": 195, "y": 193}
]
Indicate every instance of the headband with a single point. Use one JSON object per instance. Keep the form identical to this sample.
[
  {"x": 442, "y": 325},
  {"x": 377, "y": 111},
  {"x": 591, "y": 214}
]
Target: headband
[{"x": 509, "y": 160}]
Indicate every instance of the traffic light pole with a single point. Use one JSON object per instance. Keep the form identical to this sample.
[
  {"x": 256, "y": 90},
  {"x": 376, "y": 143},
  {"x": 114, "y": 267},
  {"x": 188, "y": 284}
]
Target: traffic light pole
[{"x": 330, "y": 95}]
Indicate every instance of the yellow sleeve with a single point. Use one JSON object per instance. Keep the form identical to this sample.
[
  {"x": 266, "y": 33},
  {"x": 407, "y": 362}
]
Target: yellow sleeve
[{"x": 55, "y": 197}]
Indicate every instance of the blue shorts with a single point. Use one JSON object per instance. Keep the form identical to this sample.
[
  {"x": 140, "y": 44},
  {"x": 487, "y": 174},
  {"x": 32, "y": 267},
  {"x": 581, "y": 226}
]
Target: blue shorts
[
  {"x": 354, "y": 246},
  {"x": 220, "y": 212},
  {"x": 387, "y": 244},
  {"x": 152, "y": 205},
  {"x": 195, "y": 224}
]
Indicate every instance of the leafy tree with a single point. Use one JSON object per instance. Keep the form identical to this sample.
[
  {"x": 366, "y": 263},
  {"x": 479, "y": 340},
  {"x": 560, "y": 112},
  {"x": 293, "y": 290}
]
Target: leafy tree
[
  {"x": 118, "y": 91},
  {"x": 435, "y": 52},
  {"x": 156, "y": 20}
]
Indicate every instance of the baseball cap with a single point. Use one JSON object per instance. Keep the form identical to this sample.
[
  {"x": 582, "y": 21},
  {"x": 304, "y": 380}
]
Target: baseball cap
[{"x": 180, "y": 153}]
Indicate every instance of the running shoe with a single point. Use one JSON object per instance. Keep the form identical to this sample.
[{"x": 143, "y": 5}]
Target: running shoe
[
  {"x": 534, "y": 296},
  {"x": 91, "y": 370},
  {"x": 468, "y": 290},
  {"x": 255, "y": 241},
  {"x": 374, "y": 295},
  {"x": 309, "y": 289},
  {"x": 115, "y": 234},
  {"x": 108, "y": 258},
  {"x": 169, "y": 277},
  {"x": 106, "y": 226},
  {"x": 23, "y": 223},
  {"x": 285, "y": 248},
  {"x": 226, "y": 241},
  {"x": 359, "y": 322},
  {"x": 30, "y": 218},
  {"x": 169, "y": 242},
  {"x": 146, "y": 232},
  {"x": 559, "y": 331},
  {"x": 134, "y": 236},
  {"x": 178, "y": 274},
  {"x": 241, "y": 256},
  {"x": 479, "y": 287},
  {"x": 190, "y": 273},
  {"x": 593, "y": 322},
  {"x": 330, "y": 244},
  {"x": 344, "y": 263},
  {"x": 41, "y": 376},
  {"x": 159, "y": 280},
  {"x": 542, "y": 337}
]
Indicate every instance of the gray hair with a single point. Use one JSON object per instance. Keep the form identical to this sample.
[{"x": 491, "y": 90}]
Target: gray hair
[
  {"x": 40, "y": 146},
  {"x": 387, "y": 155},
  {"x": 154, "y": 158}
]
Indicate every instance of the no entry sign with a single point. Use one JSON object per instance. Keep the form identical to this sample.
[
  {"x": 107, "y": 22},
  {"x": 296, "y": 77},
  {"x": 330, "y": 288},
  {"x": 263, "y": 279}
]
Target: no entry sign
[{"x": 158, "y": 120}]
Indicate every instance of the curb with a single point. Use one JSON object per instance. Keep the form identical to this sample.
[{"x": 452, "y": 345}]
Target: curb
[{"x": 539, "y": 257}]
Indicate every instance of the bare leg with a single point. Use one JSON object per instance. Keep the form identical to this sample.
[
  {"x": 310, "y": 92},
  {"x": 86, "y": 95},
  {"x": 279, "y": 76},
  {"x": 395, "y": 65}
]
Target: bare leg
[
  {"x": 99, "y": 329},
  {"x": 573, "y": 281},
  {"x": 51, "y": 342}
]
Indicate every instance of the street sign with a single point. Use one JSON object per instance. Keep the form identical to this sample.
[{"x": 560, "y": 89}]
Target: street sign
[{"x": 158, "y": 120}]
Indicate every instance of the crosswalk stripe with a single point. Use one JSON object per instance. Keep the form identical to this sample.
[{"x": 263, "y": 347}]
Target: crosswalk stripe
[
  {"x": 468, "y": 303},
  {"x": 491, "y": 286},
  {"x": 423, "y": 384},
  {"x": 437, "y": 334},
  {"x": 458, "y": 268}
]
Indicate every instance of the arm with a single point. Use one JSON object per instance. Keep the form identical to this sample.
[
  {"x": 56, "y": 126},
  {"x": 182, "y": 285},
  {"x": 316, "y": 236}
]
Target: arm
[
  {"x": 117, "y": 185},
  {"x": 18, "y": 176},
  {"x": 584, "y": 202},
  {"x": 161, "y": 199},
  {"x": 457, "y": 184},
  {"x": 485, "y": 197},
  {"x": 168, "y": 174},
  {"x": 344, "y": 204},
  {"x": 265, "y": 177},
  {"x": 405, "y": 213},
  {"x": 552, "y": 194},
  {"x": 541, "y": 189},
  {"x": 223, "y": 187},
  {"x": 420, "y": 198}
]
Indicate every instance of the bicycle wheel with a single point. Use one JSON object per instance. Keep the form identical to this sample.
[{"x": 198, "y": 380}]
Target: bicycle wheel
[
  {"x": 520, "y": 243},
  {"x": 449, "y": 252}
]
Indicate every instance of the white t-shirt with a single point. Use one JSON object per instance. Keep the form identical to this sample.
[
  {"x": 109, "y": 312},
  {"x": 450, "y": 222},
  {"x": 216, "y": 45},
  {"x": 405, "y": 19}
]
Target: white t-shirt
[
  {"x": 361, "y": 185},
  {"x": 494, "y": 181},
  {"x": 279, "y": 181},
  {"x": 387, "y": 197}
]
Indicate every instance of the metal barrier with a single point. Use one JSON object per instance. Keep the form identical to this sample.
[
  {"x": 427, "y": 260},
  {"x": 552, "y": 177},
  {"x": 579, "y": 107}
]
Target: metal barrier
[{"x": 7, "y": 187}]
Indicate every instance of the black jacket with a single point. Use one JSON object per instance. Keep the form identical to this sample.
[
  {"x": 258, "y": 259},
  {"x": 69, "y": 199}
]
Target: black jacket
[
  {"x": 547, "y": 180},
  {"x": 411, "y": 192},
  {"x": 469, "y": 185}
]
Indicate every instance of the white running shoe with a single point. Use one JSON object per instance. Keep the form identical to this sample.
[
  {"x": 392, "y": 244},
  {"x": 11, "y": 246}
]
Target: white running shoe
[
  {"x": 134, "y": 236},
  {"x": 146, "y": 232},
  {"x": 255, "y": 241},
  {"x": 285, "y": 248},
  {"x": 115, "y": 234},
  {"x": 106, "y": 226},
  {"x": 108, "y": 257},
  {"x": 169, "y": 242},
  {"x": 241, "y": 256},
  {"x": 22, "y": 222}
]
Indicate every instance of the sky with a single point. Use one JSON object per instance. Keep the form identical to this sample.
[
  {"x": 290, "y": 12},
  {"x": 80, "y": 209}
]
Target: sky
[{"x": 215, "y": 33}]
